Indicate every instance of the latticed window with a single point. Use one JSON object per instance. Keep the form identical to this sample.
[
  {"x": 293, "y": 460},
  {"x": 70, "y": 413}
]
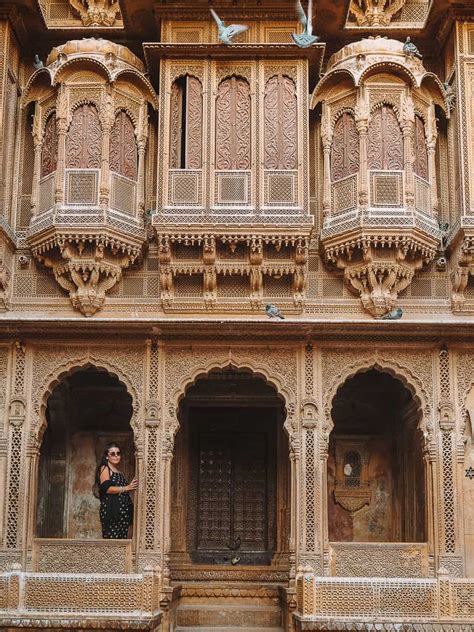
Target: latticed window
[
  {"x": 345, "y": 148},
  {"x": 385, "y": 141},
  {"x": 233, "y": 129},
  {"x": 84, "y": 139},
  {"x": 186, "y": 123},
  {"x": 49, "y": 151},
  {"x": 421, "y": 154},
  {"x": 123, "y": 148},
  {"x": 281, "y": 130}
]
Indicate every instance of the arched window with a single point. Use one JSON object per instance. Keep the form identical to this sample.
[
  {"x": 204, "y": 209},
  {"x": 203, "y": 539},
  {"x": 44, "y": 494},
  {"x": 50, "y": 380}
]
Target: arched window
[
  {"x": 186, "y": 123},
  {"x": 281, "y": 129},
  {"x": 385, "y": 150},
  {"x": 421, "y": 155},
  {"x": 345, "y": 148},
  {"x": 84, "y": 139},
  {"x": 49, "y": 152},
  {"x": 123, "y": 148},
  {"x": 233, "y": 131}
]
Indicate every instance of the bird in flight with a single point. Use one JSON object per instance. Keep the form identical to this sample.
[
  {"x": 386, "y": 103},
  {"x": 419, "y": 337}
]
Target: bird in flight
[
  {"x": 227, "y": 33},
  {"x": 306, "y": 38}
]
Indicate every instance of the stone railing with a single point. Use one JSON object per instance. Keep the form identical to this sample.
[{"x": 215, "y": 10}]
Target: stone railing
[
  {"x": 82, "y": 556},
  {"x": 324, "y": 600},
  {"x": 79, "y": 600}
]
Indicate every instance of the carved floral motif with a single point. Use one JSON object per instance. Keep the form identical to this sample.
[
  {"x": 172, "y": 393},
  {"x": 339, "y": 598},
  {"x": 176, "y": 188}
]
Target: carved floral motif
[
  {"x": 385, "y": 148},
  {"x": 96, "y": 12},
  {"x": 345, "y": 148},
  {"x": 420, "y": 165},
  {"x": 233, "y": 124},
  {"x": 281, "y": 130},
  {"x": 375, "y": 12},
  {"x": 49, "y": 151},
  {"x": 84, "y": 139},
  {"x": 123, "y": 147}
]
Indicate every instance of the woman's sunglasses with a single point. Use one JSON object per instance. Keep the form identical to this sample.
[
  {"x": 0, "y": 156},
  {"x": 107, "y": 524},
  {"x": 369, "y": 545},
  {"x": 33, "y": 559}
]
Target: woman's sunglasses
[{"x": 114, "y": 453}]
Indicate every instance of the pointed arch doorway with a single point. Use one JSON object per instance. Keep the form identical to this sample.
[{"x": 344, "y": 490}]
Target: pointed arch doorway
[{"x": 230, "y": 484}]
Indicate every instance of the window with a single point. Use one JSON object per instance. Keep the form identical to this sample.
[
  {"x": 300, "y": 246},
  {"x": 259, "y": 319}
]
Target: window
[
  {"x": 421, "y": 155},
  {"x": 345, "y": 148},
  {"x": 123, "y": 148},
  {"x": 233, "y": 125},
  {"x": 281, "y": 130},
  {"x": 186, "y": 124},
  {"x": 49, "y": 152},
  {"x": 385, "y": 142},
  {"x": 84, "y": 139}
]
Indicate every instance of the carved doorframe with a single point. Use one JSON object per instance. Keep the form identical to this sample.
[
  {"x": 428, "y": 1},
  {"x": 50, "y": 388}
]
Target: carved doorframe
[{"x": 181, "y": 367}]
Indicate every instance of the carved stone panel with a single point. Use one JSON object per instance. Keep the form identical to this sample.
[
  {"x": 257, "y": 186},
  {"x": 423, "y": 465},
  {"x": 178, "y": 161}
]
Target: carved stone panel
[
  {"x": 420, "y": 165},
  {"x": 84, "y": 139},
  {"x": 281, "y": 130},
  {"x": 186, "y": 107},
  {"x": 345, "y": 148},
  {"x": 385, "y": 150},
  {"x": 49, "y": 153},
  {"x": 123, "y": 148},
  {"x": 233, "y": 124}
]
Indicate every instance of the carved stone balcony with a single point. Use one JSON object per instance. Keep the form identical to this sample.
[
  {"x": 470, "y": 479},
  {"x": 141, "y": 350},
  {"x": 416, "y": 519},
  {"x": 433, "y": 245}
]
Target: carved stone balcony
[
  {"x": 378, "y": 135},
  {"x": 86, "y": 251},
  {"x": 461, "y": 249}
]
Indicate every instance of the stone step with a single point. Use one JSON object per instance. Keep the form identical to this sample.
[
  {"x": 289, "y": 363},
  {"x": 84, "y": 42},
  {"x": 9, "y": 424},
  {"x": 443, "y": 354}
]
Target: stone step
[
  {"x": 224, "y": 615},
  {"x": 227, "y": 629}
]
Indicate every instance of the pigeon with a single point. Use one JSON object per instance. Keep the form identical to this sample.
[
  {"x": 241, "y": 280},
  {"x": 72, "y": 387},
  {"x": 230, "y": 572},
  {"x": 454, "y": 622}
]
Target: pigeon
[
  {"x": 37, "y": 63},
  {"x": 272, "y": 311},
  {"x": 306, "y": 38},
  {"x": 227, "y": 33},
  {"x": 395, "y": 314},
  {"x": 411, "y": 50}
]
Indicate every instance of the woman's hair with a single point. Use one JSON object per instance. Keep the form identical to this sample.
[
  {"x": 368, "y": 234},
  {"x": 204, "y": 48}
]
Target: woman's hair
[{"x": 104, "y": 461}]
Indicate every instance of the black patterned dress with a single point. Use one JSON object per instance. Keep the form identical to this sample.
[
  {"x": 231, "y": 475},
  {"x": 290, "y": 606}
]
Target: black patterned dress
[{"x": 116, "y": 510}]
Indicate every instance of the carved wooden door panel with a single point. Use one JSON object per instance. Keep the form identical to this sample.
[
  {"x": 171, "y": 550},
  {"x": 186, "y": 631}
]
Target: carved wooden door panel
[
  {"x": 345, "y": 148},
  {"x": 186, "y": 123},
  {"x": 233, "y": 120},
  {"x": 281, "y": 123},
  {"x": 123, "y": 148},
  {"x": 420, "y": 165},
  {"x": 84, "y": 139},
  {"x": 385, "y": 150},
  {"x": 234, "y": 486},
  {"x": 49, "y": 153}
]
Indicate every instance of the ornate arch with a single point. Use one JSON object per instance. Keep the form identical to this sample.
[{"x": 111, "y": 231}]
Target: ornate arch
[
  {"x": 202, "y": 366},
  {"x": 100, "y": 68},
  {"x": 390, "y": 66},
  {"x": 44, "y": 390},
  {"x": 396, "y": 370}
]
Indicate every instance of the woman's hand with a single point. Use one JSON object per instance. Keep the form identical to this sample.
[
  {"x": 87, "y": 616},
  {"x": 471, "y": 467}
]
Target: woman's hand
[{"x": 131, "y": 486}]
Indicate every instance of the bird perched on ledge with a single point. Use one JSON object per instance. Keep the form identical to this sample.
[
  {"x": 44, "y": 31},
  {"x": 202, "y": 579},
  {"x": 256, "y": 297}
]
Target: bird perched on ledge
[
  {"x": 306, "y": 38},
  {"x": 395, "y": 314},
  {"x": 37, "y": 63},
  {"x": 272, "y": 311},
  {"x": 411, "y": 50},
  {"x": 227, "y": 33}
]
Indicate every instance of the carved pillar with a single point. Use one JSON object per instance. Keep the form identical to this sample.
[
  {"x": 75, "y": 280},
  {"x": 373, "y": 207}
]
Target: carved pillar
[
  {"x": 407, "y": 125},
  {"x": 150, "y": 544},
  {"x": 15, "y": 498},
  {"x": 326, "y": 138},
  {"x": 309, "y": 487},
  {"x": 62, "y": 124},
  {"x": 450, "y": 551},
  {"x": 107, "y": 120},
  {"x": 362, "y": 126},
  {"x": 38, "y": 146},
  {"x": 431, "y": 137},
  {"x": 141, "y": 143}
]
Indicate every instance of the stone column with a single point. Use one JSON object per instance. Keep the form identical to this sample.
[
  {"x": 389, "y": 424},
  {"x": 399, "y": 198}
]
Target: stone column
[
  {"x": 431, "y": 137},
  {"x": 106, "y": 120},
  {"x": 326, "y": 138},
  {"x": 450, "y": 556},
  {"x": 142, "y": 137},
  {"x": 407, "y": 124},
  {"x": 62, "y": 125},
  {"x": 362, "y": 125}
]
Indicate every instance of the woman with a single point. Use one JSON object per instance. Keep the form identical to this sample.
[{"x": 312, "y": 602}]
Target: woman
[{"x": 116, "y": 507}]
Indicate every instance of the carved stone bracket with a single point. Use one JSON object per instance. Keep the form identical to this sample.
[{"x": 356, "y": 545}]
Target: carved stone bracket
[
  {"x": 463, "y": 267},
  {"x": 212, "y": 258},
  {"x": 97, "y": 12},
  {"x": 375, "y": 13},
  {"x": 88, "y": 267},
  {"x": 378, "y": 273},
  {"x": 5, "y": 274}
]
